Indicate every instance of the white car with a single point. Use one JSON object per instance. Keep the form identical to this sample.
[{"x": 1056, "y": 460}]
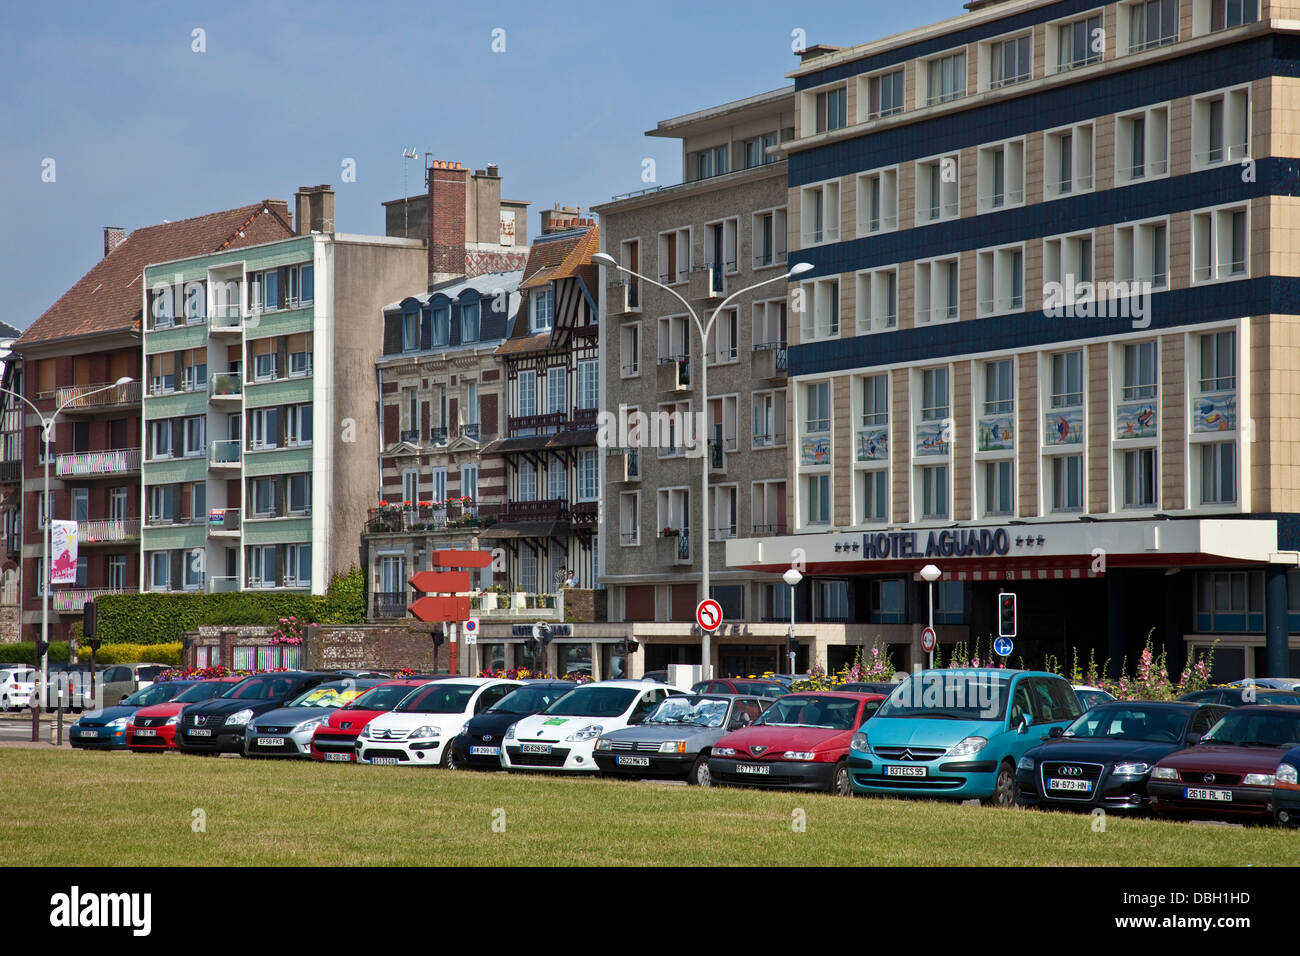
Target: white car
[
  {"x": 16, "y": 689},
  {"x": 563, "y": 736},
  {"x": 419, "y": 730}
]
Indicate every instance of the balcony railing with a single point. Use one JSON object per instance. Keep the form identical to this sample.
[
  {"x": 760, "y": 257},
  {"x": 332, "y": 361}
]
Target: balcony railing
[
  {"x": 108, "y": 530},
  {"x": 583, "y": 418},
  {"x": 674, "y": 548},
  {"x": 79, "y": 397},
  {"x": 550, "y": 420},
  {"x": 225, "y": 452},
  {"x": 222, "y": 585},
  {"x": 390, "y": 604},
  {"x": 773, "y": 528},
  {"x": 222, "y": 520},
  {"x": 470, "y": 430},
  {"x": 546, "y": 509},
  {"x": 438, "y": 436},
  {"x": 227, "y": 317},
  {"x": 226, "y": 385},
  {"x": 409, "y": 435},
  {"x": 396, "y": 519},
  {"x": 72, "y": 601},
  {"x": 92, "y": 463}
]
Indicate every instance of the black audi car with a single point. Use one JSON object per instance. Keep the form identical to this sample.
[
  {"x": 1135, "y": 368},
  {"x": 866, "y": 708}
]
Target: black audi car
[
  {"x": 217, "y": 726},
  {"x": 1104, "y": 758},
  {"x": 1234, "y": 696},
  {"x": 478, "y": 745}
]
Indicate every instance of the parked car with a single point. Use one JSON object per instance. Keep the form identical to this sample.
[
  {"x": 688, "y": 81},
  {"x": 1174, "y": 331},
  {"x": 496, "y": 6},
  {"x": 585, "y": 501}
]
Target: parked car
[
  {"x": 1091, "y": 696},
  {"x": 418, "y": 731},
  {"x": 1274, "y": 683},
  {"x": 959, "y": 733},
  {"x": 868, "y": 687},
  {"x": 17, "y": 685},
  {"x": 1286, "y": 789},
  {"x": 1104, "y": 758},
  {"x": 677, "y": 738},
  {"x": 217, "y": 726},
  {"x": 106, "y": 728},
  {"x": 287, "y": 731},
  {"x": 478, "y": 745},
  {"x": 563, "y": 736},
  {"x": 336, "y": 738},
  {"x": 1232, "y": 771},
  {"x": 741, "y": 685},
  {"x": 801, "y": 742},
  {"x": 154, "y": 727},
  {"x": 119, "y": 680},
  {"x": 1238, "y": 696}
]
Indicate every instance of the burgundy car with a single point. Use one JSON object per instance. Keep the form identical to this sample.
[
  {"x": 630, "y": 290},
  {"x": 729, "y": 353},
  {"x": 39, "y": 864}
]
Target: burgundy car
[{"x": 1231, "y": 771}]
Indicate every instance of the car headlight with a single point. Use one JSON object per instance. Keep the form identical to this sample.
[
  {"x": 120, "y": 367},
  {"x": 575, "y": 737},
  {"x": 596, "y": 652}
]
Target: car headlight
[
  {"x": 968, "y": 747},
  {"x": 307, "y": 725},
  {"x": 239, "y": 717},
  {"x": 586, "y": 733},
  {"x": 1286, "y": 773},
  {"x": 673, "y": 747},
  {"x": 1135, "y": 769},
  {"x": 603, "y": 744},
  {"x": 724, "y": 751},
  {"x": 427, "y": 730},
  {"x": 365, "y": 732},
  {"x": 1164, "y": 773},
  {"x": 119, "y": 723},
  {"x": 464, "y": 729},
  {"x": 859, "y": 743},
  {"x": 510, "y": 732},
  {"x": 1025, "y": 763},
  {"x": 1259, "y": 779},
  {"x": 173, "y": 720},
  {"x": 799, "y": 755}
]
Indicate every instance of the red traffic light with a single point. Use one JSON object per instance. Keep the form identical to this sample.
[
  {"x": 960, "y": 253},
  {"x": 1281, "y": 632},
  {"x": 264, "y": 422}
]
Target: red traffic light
[{"x": 1006, "y": 615}]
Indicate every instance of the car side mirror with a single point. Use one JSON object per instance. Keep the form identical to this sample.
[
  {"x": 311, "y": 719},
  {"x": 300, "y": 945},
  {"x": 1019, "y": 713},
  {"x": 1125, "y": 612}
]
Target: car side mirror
[
  {"x": 1056, "y": 732},
  {"x": 1023, "y": 725}
]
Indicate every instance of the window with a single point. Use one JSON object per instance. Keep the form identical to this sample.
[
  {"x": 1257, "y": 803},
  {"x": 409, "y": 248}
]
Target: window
[
  {"x": 193, "y": 569},
  {"x": 934, "y": 491},
  {"x": 556, "y": 393},
  {"x": 832, "y": 600},
  {"x": 946, "y": 78},
  {"x": 885, "y": 94},
  {"x": 265, "y": 360},
  {"x": 888, "y": 601},
  {"x": 162, "y": 504},
  {"x": 297, "y": 565},
  {"x": 263, "y": 493},
  {"x": 117, "y": 572},
  {"x": 263, "y": 566},
  {"x": 1002, "y": 176},
  {"x": 527, "y": 481},
  {"x": 1226, "y": 14},
  {"x": 998, "y": 488},
  {"x": 194, "y": 369},
  {"x": 769, "y": 418},
  {"x": 999, "y": 387},
  {"x": 820, "y": 213},
  {"x": 1218, "y": 473},
  {"x": 817, "y": 494},
  {"x": 711, "y": 162},
  {"x": 194, "y": 441},
  {"x": 1067, "y": 379},
  {"x": 1067, "y": 482},
  {"x": 440, "y": 325},
  {"x": 1142, "y": 254},
  {"x": 1067, "y": 161},
  {"x": 1140, "y": 478},
  {"x": 264, "y": 428},
  {"x": 1000, "y": 280},
  {"x": 80, "y": 504},
  {"x": 674, "y": 256},
  {"x": 629, "y": 518},
  {"x": 469, "y": 481},
  {"x": 299, "y": 494},
  {"x": 1067, "y": 270},
  {"x": 410, "y": 331},
  {"x": 725, "y": 337},
  {"x": 1139, "y": 371},
  {"x": 469, "y": 321},
  {"x": 817, "y": 407},
  {"x": 541, "y": 307},
  {"x": 1079, "y": 43},
  {"x": 1152, "y": 24},
  {"x": 1010, "y": 61},
  {"x": 769, "y": 324},
  {"x": 526, "y": 393},
  {"x": 588, "y": 383},
  {"x": 1221, "y": 128},
  {"x": 674, "y": 508},
  {"x": 724, "y": 512},
  {"x": 410, "y": 484},
  {"x": 162, "y": 374},
  {"x": 756, "y": 150},
  {"x": 937, "y": 195},
  {"x": 934, "y": 394},
  {"x": 821, "y": 309},
  {"x": 160, "y": 570},
  {"x": 877, "y": 300},
  {"x": 720, "y": 249},
  {"x": 1218, "y": 361},
  {"x": 1219, "y": 244},
  {"x": 161, "y": 439},
  {"x": 299, "y": 348},
  {"x": 873, "y": 495},
  {"x": 588, "y": 476},
  {"x": 936, "y": 291},
  {"x": 304, "y": 277},
  {"x": 630, "y": 350},
  {"x": 1142, "y": 145},
  {"x": 878, "y": 201},
  {"x": 769, "y": 237},
  {"x": 831, "y": 109},
  {"x": 439, "y": 477}
]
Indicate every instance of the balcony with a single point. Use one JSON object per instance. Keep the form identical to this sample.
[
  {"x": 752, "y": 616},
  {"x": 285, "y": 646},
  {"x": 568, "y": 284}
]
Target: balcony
[
  {"x": 623, "y": 464},
  {"x": 411, "y": 435},
  {"x": 98, "y": 464},
  {"x": 79, "y": 398},
  {"x": 223, "y": 522},
  {"x": 225, "y": 386},
  {"x": 226, "y": 319},
  {"x": 673, "y": 548},
  {"x": 583, "y": 418},
  {"x": 108, "y": 531},
  {"x": 10, "y": 472},
  {"x": 397, "y": 519},
  {"x": 470, "y": 430},
  {"x": 222, "y": 585},
  {"x": 546, "y": 509},
  {"x": 438, "y": 436},
  {"x": 224, "y": 454},
  {"x": 623, "y": 297},
  {"x": 770, "y": 360},
  {"x": 707, "y": 282},
  {"x": 389, "y": 604},
  {"x": 536, "y": 424},
  {"x": 72, "y": 601},
  {"x": 674, "y": 373},
  {"x": 770, "y": 529},
  {"x": 586, "y": 513}
]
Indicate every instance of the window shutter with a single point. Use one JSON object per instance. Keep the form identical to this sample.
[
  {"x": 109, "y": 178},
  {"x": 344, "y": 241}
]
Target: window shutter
[
  {"x": 282, "y": 287},
  {"x": 391, "y": 425},
  {"x": 392, "y": 333},
  {"x": 281, "y": 357},
  {"x": 276, "y": 554},
  {"x": 178, "y": 569},
  {"x": 426, "y": 424},
  {"x": 452, "y": 405},
  {"x": 281, "y": 493},
  {"x": 426, "y": 329},
  {"x": 488, "y": 414}
]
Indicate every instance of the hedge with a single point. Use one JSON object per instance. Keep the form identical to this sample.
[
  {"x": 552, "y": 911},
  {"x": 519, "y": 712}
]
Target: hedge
[
  {"x": 152, "y": 619},
  {"x": 106, "y": 655},
  {"x": 25, "y": 653}
]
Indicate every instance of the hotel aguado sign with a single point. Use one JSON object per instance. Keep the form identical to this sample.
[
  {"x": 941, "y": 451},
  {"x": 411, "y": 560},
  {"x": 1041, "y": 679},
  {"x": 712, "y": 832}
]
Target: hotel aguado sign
[{"x": 944, "y": 543}]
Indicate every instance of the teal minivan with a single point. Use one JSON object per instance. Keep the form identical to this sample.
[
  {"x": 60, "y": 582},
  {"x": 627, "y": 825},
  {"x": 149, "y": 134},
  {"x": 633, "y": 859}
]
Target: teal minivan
[{"x": 958, "y": 733}]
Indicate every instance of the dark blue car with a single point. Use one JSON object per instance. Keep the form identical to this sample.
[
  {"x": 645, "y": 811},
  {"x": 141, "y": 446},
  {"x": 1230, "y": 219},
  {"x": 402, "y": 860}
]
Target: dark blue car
[{"x": 106, "y": 729}]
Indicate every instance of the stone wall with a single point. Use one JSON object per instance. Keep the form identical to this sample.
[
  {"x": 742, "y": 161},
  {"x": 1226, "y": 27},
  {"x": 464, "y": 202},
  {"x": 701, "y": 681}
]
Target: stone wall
[
  {"x": 385, "y": 647},
  {"x": 585, "y": 605}
]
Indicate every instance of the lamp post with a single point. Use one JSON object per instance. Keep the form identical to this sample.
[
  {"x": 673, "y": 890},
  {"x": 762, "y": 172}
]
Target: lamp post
[
  {"x": 931, "y": 573},
  {"x": 792, "y": 578},
  {"x": 609, "y": 262},
  {"x": 47, "y": 434}
]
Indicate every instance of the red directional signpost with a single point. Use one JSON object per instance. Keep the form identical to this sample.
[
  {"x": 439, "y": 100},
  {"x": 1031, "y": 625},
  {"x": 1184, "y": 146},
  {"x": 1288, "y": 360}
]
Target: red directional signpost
[{"x": 446, "y": 593}]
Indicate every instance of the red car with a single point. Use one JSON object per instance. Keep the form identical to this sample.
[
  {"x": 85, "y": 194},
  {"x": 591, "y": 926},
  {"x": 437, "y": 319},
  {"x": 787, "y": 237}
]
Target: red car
[
  {"x": 1231, "y": 771},
  {"x": 800, "y": 742},
  {"x": 750, "y": 686},
  {"x": 154, "y": 728},
  {"x": 336, "y": 739}
]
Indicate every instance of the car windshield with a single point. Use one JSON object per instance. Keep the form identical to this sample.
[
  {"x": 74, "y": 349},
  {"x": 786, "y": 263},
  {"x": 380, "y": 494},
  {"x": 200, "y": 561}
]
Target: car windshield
[
  {"x": 529, "y": 699},
  {"x": 809, "y": 710},
  {"x": 154, "y": 694},
  {"x": 1248, "y": 727},
  {"x": 949, "y": 694},
  {"x": 384, "y": 697},
  {"x": 20, "y": 677},
  {"x": 593, "y": 701},
  {"x": 760, "y": 689},
  {"x": 695, "y": 711},
  {"x": 205, "y": 690},
  {"x": 1131, "y": 722},
  {"x": 439, "y": 698},
  {"x": 333, "y": 694},
  {"x": 261, "y": 688},
  {"x": 149, "y": 673}
]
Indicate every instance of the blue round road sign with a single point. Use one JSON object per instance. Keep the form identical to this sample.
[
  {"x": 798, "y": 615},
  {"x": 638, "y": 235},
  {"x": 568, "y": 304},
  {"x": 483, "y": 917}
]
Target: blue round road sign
[{"x": 1003, "y": 647}]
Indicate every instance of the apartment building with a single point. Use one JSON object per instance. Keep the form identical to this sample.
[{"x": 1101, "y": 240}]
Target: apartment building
[
  {"x": 88, "y": 340},
  {"x": 259, "y": 448},
  {"x": 720, "y": 231},
  {"x": 1047, "y": 344},
  {"x": 11, "y": 481}
]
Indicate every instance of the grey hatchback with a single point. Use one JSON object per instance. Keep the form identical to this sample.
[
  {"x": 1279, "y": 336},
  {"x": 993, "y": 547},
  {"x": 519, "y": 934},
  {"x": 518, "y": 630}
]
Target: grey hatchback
[{"x": 676, "y": 739}]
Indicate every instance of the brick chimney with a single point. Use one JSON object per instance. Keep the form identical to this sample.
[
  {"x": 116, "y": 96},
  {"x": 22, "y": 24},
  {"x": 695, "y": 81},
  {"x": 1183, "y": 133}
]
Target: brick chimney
[
  {"x": 314, "y": 209},
  {"x": 446, "y": 183},
  {"x": 560, "y": 219},
  {"x": 114, "y": 236}
]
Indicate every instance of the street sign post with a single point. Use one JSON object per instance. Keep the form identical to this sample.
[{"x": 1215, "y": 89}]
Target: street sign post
[
  {"x": 708, "y": 615},
  {"x": 471, "y": 631},
  {"x": 927, "y": 643}
]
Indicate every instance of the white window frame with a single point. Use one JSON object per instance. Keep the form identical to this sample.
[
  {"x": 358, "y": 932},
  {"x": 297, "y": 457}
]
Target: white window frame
[
  {"x": 1083, "y": 160},
  {"x": 1212, "y": 227},
  {"x": 884, "y": 183},
  {"x": 949, "y": 191},
  {"x": 1155, "y": 119},
  {"x": 1012, "y": 192},
  {"x": 995, "y": 280},
  {"x": 876, "y": 301},
  {"x": 819, "y": 205},
  {"x": 630, "y": 331},
  {"x": 931, "y": 276}
]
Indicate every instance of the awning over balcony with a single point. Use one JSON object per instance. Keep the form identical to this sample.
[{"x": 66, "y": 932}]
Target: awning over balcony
[{"x": 526, "y": 529}]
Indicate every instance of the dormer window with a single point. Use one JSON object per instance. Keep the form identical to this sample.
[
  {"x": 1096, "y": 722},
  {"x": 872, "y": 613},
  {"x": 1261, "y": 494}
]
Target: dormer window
[{"x": 541, "y": 309}]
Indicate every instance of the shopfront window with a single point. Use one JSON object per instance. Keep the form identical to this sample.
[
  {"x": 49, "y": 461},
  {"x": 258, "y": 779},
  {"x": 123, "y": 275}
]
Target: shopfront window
[
  {"x": 888, "y": 605},
  {"x": 1231, "y": 601},
  {"x": 613, "y": 662},
  {"x": 572, "y": 659}
]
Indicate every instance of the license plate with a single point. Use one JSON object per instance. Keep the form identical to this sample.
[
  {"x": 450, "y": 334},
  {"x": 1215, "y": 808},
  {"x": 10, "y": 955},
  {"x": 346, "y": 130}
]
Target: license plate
[
  {"x": 338, "y": 757},
  {"x": 200, "y": 732},
  {"x": 485, "y": 751},
  {"x": 270, "y": 741},
  {"x": 632, "y": 761},
  {"x": 383, "y": 760},
  {"x": 753, "y": 768},
  {"x": 1222, "y": 796},
  {"x": 535, "y": 748},
  {"x": 146, "y": 733},
  {"x": 1056, "y": 783},
  {"x": 90, "y": 733},
  {"x": 905, "y": 771}
]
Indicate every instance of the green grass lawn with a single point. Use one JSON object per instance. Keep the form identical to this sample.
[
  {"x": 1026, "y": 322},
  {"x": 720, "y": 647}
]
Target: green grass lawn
[{"x": 97, "y": 809}]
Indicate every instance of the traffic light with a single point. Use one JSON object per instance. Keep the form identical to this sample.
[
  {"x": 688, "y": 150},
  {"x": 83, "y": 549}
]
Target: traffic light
[
  {"x": 94, "y": 645},
  {"x": 42, "y": 646},
  {"x": 1006, "y": 614},
  {"x": 628, "y": 646},
  {"x": 437, "y": 637},
  {"x": 88, "y": 621}
]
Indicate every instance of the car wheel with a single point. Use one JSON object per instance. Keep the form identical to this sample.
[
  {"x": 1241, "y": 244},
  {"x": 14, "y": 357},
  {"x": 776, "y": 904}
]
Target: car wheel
[
  {"x": 840, "y": 785},
  {"x": 4, "y": 705},
  {"x": 1286, "y": 818},
  {"x": 699, "y": 775},
  {"x": 1004, "y": 789},
  {"x": 449, "y": 761}
]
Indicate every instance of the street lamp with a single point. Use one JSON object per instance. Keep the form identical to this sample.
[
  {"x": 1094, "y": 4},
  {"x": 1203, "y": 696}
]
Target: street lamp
[
  {"x": 605, "y": 259},
  {"x": 792, "y": 578},
  {"x": 930, "y": 573},
  {"x": 47, "y": 434}
]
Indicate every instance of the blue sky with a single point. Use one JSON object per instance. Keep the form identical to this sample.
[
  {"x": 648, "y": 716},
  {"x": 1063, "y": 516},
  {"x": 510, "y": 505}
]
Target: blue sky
[{"x": 142, "y": 128}]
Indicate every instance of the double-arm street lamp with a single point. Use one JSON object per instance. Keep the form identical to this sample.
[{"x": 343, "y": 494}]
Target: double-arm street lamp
[
  {"x": 47, "y": 436},
  {"x": 609, "y": 262}
]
